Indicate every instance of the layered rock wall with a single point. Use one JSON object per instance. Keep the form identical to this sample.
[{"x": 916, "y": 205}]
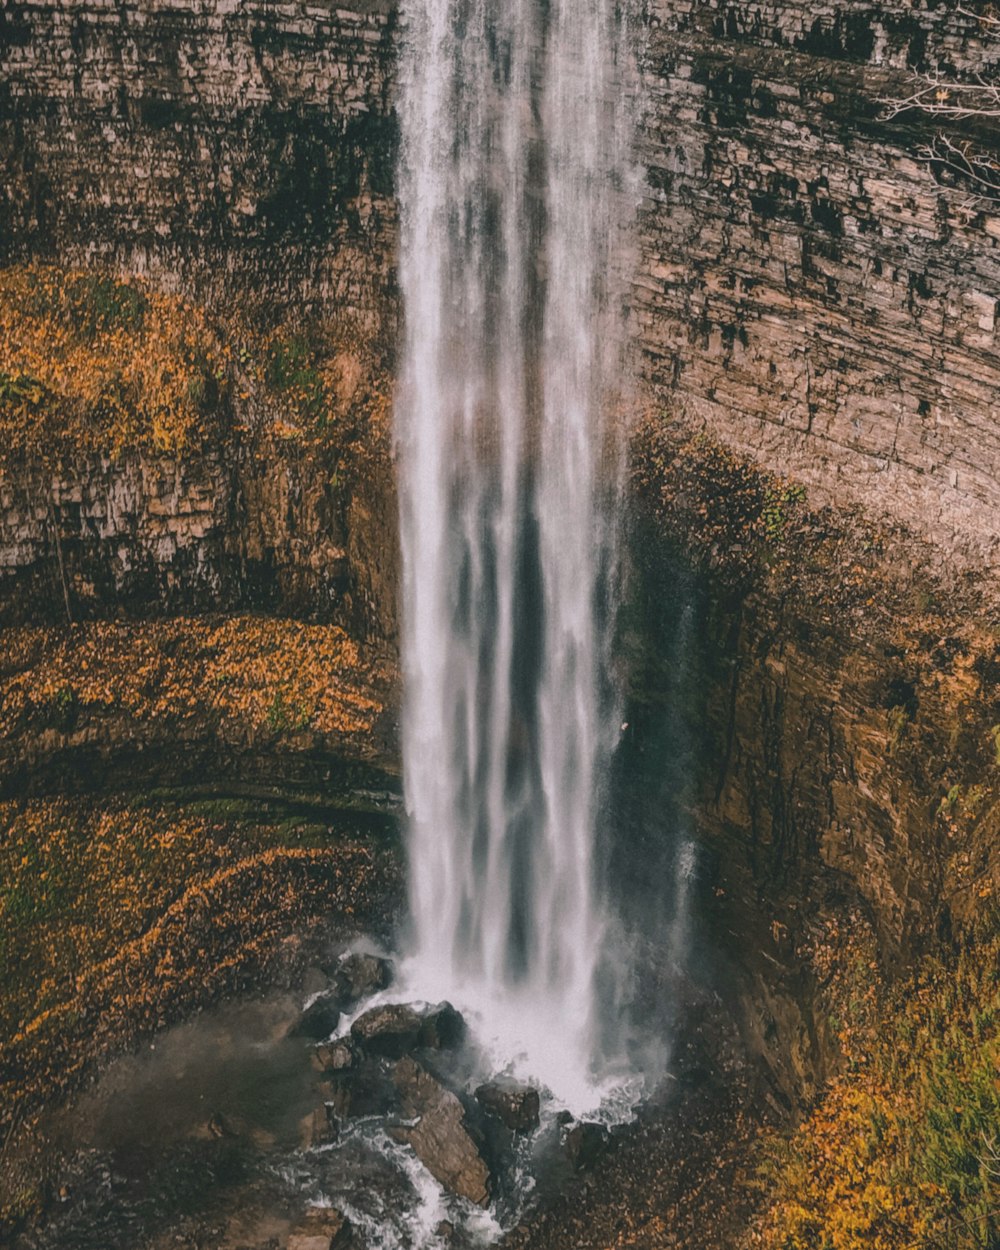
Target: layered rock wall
[
  {"x": 810, "y": 291},
  {"x": 270, "y": 530},
  {"x": 242, "y": 156},
  {"x": 229, "y": 151}
]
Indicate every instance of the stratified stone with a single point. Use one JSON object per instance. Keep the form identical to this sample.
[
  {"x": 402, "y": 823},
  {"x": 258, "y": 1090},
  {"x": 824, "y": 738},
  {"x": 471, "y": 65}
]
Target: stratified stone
[{"x": 440, "y": 1137}]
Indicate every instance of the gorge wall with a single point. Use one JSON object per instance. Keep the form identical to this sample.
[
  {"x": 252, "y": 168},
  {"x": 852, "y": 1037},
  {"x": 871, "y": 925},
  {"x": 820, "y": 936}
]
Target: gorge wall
[
  {"x": 241, "y": 157},
  {"x": 809, "y": 290},
  {"x": 231, "y": 151},
  {"x": 810, "y": 293}
]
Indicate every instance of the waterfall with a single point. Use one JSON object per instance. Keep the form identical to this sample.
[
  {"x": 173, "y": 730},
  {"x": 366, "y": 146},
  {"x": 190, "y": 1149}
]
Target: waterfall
[{"x": 514, "y": 182}]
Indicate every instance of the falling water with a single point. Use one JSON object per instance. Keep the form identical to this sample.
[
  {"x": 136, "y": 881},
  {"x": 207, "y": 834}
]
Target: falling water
[{"x": 514, "y": 182}]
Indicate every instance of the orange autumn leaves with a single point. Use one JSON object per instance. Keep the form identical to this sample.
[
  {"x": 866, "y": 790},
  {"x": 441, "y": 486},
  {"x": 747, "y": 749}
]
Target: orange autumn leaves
[
  {"x": 90, "y": 363},
  {"x": 117, "y": 919},
  {"x": 76, "y": 883},
  {"x": 903, "y": 1149},
  {"x": 246, "y": 676}
]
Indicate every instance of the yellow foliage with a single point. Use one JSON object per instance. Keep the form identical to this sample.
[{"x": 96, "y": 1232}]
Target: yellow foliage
[
  {"x": 244, "y": 675},
  {"x": 900, "y": 1152},
  {"x": 90, "y": 363},
  {"x": 116, "y": 920}
]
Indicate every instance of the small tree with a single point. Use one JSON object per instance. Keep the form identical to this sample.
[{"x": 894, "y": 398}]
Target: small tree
[{"x": 975, "y": 98}]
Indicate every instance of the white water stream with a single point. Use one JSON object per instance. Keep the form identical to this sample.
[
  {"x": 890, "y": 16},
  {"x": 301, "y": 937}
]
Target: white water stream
[{"x": 515, "y": 182}]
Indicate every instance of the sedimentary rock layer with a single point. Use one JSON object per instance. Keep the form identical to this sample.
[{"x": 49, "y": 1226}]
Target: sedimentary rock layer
[{"x": 809, "y": 289}]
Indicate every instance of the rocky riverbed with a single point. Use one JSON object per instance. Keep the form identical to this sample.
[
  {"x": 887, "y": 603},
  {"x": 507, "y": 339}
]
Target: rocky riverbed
[{"x": 338, "y": 1115}]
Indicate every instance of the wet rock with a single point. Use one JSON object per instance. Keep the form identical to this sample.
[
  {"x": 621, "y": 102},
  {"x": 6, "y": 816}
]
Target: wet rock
[
  {"x": 583, "y": 1143},
  {"x": 358, "y": 976},
  {"x": 442, "y": 1028},
  {"x": 321, "y": 1228},
  {"x": 319, "y": 1127},
  {"x": 335, "y": 1056},
  {"x": 440, "y": 1137},
  {"x": 395, "y": 1029},
  {"x": 392, "y": 1030},
  {"x": 515, "y": 1105},
  {"x": 365, "y": 1090},
  {"x": 319, "y": 1019}
]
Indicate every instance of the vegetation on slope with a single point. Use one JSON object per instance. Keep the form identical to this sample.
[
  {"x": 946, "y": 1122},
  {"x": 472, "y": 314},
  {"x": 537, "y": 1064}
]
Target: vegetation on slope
[
  {"x": 91, "y": 363},
  {"x": 117, "y": 920},
  {"x": 903, "y": 1150},
  {"x": 95, "y": 364},
  {"x": 244, "y": 678}
]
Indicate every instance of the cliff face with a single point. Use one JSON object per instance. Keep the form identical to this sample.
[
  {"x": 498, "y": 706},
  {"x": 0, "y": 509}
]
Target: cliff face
[
  {"x": 807, "y": 698},
  {"x": 267, "y": 530},
  {"x": 241, "y": 156},
  {"x": 230, "y": 151},
  {"x": 810, "y": 291},
  {"x": 809, "y": 294}
]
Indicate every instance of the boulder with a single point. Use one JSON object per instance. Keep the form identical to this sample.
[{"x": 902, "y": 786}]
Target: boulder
[
  {"x": 583, "y": 1143},
  {"x": 515, "y": 1105},
  {"x": 321, "y": 1228},
  {"x": 442, "y": 1028},
  {"x": 395, "y": 1029},
  {"x": 335, "y": 1056},
  {"x": 320, "y": 1018},
  {"x": 358, "y": 976},
  {"x": 392, "y": 1030},
  {"x": 367, "y": 1089},
  {"x": 440, "y": 1137}
]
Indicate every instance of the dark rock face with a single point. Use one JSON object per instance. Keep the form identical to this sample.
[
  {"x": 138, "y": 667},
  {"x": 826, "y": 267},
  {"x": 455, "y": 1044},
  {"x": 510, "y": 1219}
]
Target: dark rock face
[
  {"x": 396, "y": 1029},
  {"x": 358, "y": 976},
  {"x": 276, "y": 530},
  {"x": 514, "y": 1104},
  {"x": 364, "y": 1090},
  {"x": 250, "y": 156},
  {"x": 319, "y": 1020},
  {"x": 440, "y": 1138},
  {"x": 827, "y": 714},
  {"x": 391, "y": 1031},
  {"x": 442, "y": 1028}
]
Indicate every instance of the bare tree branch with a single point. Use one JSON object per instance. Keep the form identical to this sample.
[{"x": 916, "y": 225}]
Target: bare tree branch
[
  {"x": 978, "y": 172},
  {"x": 938, "y": 96},
  {"x": 988, "y": 17}
]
